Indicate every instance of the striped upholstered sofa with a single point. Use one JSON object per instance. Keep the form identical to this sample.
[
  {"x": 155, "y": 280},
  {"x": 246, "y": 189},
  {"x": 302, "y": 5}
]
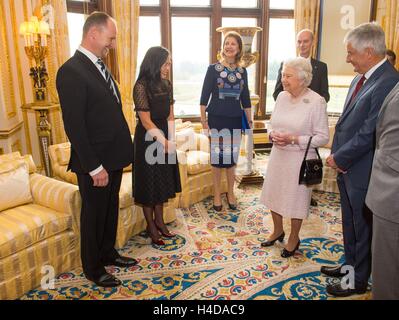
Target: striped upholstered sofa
[
  {"x": 131, "y": 218},
  {"x": 37, "y": 226}
]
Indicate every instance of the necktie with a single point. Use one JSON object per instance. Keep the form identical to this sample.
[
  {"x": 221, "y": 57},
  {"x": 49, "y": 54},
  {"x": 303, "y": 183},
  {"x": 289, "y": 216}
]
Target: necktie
[
  {"x": 108, "y": 78},
  {"x": 359, "y": 85}
]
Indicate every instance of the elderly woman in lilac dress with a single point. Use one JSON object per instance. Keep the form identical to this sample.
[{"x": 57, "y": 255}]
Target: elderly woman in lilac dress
[{"x": 299, "y": 114}]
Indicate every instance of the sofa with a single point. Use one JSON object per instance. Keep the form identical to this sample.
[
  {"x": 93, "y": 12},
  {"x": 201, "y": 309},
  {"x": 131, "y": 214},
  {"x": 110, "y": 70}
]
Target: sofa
[
  {"x": 38, "y": 232},
  {"x": 194, "y": 164},
  {"x": 131, "y": 219}
]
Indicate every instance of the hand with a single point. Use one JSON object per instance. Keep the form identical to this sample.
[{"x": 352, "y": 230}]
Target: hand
[
  {"x": 170, "y": 147},
  {"x": 332, "y": 164},
  {"x": 205, "y": 128},
  {"x": 281, "y": 139},
  {"x": 100, "y": 179}
]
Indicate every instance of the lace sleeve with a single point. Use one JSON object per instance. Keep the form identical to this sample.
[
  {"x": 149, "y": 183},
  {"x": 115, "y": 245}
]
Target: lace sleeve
[{"x": 140, "y": 98}]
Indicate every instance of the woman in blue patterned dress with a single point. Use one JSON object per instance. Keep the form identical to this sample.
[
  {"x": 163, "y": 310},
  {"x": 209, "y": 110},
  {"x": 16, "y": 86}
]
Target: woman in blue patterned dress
[{"x": 224, "y": 94}]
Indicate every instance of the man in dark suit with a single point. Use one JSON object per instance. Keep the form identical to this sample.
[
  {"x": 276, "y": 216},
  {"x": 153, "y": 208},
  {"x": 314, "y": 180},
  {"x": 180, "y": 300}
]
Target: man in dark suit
[
  {"x": 319, "y": 84},
  {"x": 353, "y": 151},
  {"x": 101, "y": 145}
]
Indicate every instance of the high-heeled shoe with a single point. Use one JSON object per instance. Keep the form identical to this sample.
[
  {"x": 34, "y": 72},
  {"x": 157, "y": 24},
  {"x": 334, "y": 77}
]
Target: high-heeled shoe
[
  {"x": 158, "y": 242},
  {"x": 286, "y": 254},
  {"x": 167, "y": 234},
  {"x": 269, "y": 243},
  {"x": 231, "y": 206},
  {"x": 218, "y": 208}
]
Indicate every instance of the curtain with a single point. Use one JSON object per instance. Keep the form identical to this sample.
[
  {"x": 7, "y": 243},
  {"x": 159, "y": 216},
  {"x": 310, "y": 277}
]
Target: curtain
[
  {"x": 126, "y": 13},
  {"x": 55, "y": 13},
  {"x": 388, "y": 18},
  {"x": 307, "y": 16}
]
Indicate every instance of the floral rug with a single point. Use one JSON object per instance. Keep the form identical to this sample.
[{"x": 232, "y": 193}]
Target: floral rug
[{"x": 217, "y": 256}]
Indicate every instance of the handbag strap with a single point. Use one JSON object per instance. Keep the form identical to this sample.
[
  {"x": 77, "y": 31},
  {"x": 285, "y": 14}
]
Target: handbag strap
[{"x": 307, "y": 150}]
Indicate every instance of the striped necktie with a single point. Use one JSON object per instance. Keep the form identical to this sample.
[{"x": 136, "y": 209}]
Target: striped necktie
[{"x": 108, "y": 78}]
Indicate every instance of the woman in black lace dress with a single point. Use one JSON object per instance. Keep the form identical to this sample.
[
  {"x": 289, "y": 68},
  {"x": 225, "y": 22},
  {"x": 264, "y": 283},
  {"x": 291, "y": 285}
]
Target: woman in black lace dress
[{"x": 156, "y": 176}]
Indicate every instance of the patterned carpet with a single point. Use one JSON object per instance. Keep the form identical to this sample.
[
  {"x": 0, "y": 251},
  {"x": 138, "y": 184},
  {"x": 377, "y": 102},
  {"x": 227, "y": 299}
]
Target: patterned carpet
[{"x": 217, "y": 256}]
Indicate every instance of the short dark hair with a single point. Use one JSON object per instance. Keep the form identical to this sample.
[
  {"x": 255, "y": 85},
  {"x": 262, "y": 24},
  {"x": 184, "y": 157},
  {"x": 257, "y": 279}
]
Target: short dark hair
[
  {"x": 392, "y": 55},
  {"x": 98, "y": 19}
]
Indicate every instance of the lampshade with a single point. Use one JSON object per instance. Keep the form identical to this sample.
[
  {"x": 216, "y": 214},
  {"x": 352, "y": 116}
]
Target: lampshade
[
  {"x": 44, "y": 28},
  {"x": 23, "y": 28},
  {"x": 31, "y": 27}
]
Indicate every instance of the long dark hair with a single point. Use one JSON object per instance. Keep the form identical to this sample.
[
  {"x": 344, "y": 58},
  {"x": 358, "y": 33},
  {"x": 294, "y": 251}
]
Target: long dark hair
[{"x": 150, "y": 69}]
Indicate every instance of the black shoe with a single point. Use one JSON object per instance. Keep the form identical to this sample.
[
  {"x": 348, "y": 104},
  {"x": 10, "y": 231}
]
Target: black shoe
[
  {"x": 232, "y": 206},
  {"x": 218, "y": 208},
  {"x": 332, "y": 271},
  {"x": 286, "y": 254},
  {"x": 313, "y": 202},
  {"x": 123, "y": 262},
  {"x": 269, "y": 243},
  {"x": 106, "y": 280},
  {"x": 338, "y": 291}
]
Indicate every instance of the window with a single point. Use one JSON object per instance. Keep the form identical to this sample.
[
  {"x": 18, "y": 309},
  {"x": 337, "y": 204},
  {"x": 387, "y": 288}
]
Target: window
[
  {"x": 75, "y": 27},
  {"x": 190, "y": 3},
  {"x": 191, "y": 49},
  {"x": 240, "y": 3},
  {"x": 278, "y": 52},
  {"x": 149, "y": 36},
  {"x": 76, "y": 18},
  {"x": 285, "y": 5}
]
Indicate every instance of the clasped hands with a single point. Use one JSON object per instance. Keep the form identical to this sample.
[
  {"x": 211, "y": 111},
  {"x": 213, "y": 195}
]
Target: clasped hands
[
  {"x": 281, "y": 139},
  {"x": 332, "y": 164}
]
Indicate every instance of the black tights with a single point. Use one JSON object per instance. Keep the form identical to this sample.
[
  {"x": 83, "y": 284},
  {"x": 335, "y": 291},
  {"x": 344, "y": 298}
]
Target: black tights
[{"x": 157, "y": 223}]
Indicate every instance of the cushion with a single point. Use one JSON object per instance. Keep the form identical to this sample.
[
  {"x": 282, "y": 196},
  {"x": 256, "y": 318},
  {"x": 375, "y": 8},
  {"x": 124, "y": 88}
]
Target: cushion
[
  {"x": 197, "y": 162},
  {"x": 17, "y": 156},
  {"x": 185, "y": 139},
  {"x": 14, "y": 184},
  {"x": 23, "y": 226},
  {"x": 63, "y": 152}
]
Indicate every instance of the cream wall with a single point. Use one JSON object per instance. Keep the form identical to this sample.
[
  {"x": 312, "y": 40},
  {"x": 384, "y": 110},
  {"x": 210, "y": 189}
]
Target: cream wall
[{"x": 340, "y": 16}]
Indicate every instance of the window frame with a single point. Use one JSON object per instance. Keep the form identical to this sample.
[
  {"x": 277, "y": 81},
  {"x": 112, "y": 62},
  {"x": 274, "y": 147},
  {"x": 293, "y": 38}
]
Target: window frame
[{"x": 216, "y": 12}]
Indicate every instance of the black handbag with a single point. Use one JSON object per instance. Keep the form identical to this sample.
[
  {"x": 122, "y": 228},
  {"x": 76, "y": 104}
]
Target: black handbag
[{"x": 311, "y": 170}]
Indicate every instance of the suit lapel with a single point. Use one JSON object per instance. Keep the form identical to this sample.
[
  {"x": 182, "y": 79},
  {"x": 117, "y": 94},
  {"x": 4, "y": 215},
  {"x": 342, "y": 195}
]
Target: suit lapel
[
  {"x": 97, "y": 74},
  {"x": 369, "y": 83}
]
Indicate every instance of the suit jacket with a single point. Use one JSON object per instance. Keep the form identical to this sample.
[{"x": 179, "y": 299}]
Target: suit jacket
[
  {"x": 93, "y": 118},
  {"x": 319, "y": 82},
  {"x": 382, "y": 196},
  {"x": 354, "y": 140}
]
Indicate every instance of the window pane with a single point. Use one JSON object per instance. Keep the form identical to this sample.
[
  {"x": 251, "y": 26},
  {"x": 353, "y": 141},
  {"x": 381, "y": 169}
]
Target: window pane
[
  {"x": 190, "y": 3},
  {"x": 75, "y": 30},
  {"x": 240, "y": 3},
  {"x": 149, "y": 2},
  {"x": 286, "y": 4},
  {"x": 149, "y": 36},
  {"x": 278, "y": 52},
  {"x": 191, "y": 47},
  {"x": 245, "y": 22},
  {"x": 339, "y": 86}
]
